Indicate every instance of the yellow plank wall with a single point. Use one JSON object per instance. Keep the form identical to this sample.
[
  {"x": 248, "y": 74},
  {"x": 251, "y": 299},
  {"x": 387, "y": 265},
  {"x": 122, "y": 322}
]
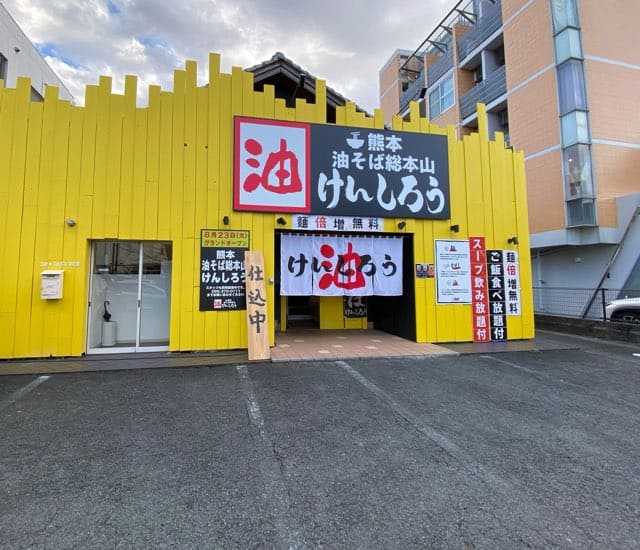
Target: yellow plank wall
[{"x": 164, "y": 172}]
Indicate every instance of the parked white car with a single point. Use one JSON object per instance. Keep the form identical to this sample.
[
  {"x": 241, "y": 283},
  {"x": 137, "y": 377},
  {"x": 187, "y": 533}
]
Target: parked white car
[{"x": 624, "y": 309}]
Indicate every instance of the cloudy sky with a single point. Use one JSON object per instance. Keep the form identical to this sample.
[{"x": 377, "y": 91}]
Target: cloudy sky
[{"x": 343, "y": 42}]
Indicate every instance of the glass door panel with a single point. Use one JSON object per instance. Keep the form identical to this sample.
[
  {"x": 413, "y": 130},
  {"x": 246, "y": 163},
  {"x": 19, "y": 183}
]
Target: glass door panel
[
  {"x": 155, "y": 298},
  {"x": 114, "y": 295},
  {"x": 130, "y": 296}
]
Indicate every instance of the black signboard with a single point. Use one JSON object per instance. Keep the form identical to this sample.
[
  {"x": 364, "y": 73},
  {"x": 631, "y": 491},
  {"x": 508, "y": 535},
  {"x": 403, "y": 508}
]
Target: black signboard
[
  {"x": 328, "y": 170},
  {"x": 497, "y": 302},
  {"x": 355, "y": 306},
  {"x": 367, "y": 172},
  {"x": 222, "y": 277}
]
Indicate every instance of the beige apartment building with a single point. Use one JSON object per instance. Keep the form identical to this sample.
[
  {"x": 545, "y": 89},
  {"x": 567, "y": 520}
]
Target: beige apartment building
[{"x": 561, "y": 80}]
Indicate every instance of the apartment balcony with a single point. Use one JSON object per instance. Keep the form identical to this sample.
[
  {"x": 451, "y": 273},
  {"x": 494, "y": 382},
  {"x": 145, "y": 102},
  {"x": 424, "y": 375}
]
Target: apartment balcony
[
  {"x": 485, "y": 92},
  {"x": 440, "y": 67},
  {"x": 412, "y": 93},
  {"x": 484, "y": 27}
]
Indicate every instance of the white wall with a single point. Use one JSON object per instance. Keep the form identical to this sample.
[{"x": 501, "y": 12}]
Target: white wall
[{"x": 24, "y": 59}]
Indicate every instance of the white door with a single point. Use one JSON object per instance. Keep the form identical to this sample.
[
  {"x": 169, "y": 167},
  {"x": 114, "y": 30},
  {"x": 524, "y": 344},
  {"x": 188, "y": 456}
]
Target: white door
[{"x": 130, "y": 296}]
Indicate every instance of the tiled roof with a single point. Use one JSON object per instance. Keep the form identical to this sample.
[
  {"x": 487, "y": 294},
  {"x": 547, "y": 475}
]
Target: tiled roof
[{"x": 280, "y": 64}]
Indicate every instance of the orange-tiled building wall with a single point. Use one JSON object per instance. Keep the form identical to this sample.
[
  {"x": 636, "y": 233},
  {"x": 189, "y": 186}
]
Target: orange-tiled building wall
[
  {"x": 614, "y": 101},
  {"x": 533, "y": 108},
  {"x": 464, "y": 82},
  {"x": 533, "y": 115},
  {"x": 390, "y": 87},
  {"x": 610, "y": 29},
  {"x": 510, "y": 7},
  {"x": 546, "y": 197},
  {"x": 614, "y": 104},
  {"x": 450, "y": 116},
  {"x": 616, "y": 175},
  {"x": 528, "y": 43}
]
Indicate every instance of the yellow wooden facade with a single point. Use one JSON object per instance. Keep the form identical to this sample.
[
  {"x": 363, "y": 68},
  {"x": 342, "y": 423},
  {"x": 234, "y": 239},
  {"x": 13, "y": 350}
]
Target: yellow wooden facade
[{"x": 163, "y": 172}]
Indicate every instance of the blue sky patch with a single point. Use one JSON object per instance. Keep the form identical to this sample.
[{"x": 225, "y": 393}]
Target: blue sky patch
[
  {"x": 113, "y": 8},
  {"x": 150, "y": 42},
  {"x": 48, "y": 49}
]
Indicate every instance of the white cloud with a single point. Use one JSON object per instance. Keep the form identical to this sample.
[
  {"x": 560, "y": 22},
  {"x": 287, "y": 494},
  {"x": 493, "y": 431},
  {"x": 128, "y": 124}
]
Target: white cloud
[{"x": 345, "y": 43}]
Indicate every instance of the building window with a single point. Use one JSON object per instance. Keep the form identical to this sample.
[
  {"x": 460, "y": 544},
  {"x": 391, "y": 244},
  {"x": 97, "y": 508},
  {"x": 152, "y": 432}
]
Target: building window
[
  {"x": 477, "y": 74},
  {"x": 565, "y": 14},
  {"x": 581, "y": 212},
  {"x": 571, "y": 86},
  {"x": 577, "y": 171},
  {"x": 498, "y": 55},
  {"x": 441, "y": 97},
  {"x": 575, "y": 128},
  {"x": 568, "y": 45},
  {"x": 3, "y": 68}
]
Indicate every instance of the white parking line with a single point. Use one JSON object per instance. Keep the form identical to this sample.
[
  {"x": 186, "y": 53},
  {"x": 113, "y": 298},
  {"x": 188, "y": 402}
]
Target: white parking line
[
  {"x": 18, "y": 394},
  {"x": 275, "y": 485},
  {"x": 608, "y": 356},
  {"x": 509, "y": 491},
  {"x": 531, "y": 371}
]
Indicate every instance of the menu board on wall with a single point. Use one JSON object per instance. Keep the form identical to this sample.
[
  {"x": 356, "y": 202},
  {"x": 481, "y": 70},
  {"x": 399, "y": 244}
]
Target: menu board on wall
[
  {"x": 453, "y": 272},
  {"x": 222, "y": 276}
]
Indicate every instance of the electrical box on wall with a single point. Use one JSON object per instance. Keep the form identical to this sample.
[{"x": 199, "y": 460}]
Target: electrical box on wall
[{"x": 51, "y": 282}]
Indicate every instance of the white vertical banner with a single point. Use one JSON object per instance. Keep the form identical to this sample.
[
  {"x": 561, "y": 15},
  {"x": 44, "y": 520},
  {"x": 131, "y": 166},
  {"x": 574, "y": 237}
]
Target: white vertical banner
[
  {"x": 387, "y": 258},
  {"x": 512, "y": 282},
  {"x": 296, "y": 255}
]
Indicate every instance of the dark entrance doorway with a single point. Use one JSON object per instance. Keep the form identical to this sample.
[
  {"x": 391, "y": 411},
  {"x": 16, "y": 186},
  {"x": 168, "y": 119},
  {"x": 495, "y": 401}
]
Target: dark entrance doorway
[
  {"x": 393, "y": 314},
  {"x": 397, "y": 314}
]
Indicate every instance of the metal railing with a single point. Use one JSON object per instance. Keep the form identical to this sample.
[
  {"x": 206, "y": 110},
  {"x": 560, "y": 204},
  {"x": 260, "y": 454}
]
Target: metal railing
[
  {"x": 486, "y": 91},
  {"x": 580, "y": 303},
  {"x": 485, "y": 26},
  {"x": 440, "y": 67},
  {"x": 412, "y": 93}
]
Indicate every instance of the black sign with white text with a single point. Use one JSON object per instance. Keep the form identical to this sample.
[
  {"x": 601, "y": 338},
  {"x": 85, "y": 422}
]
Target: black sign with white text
[
  {"x": 368, "y": 172},
  {"x": 328, "y": 170}
]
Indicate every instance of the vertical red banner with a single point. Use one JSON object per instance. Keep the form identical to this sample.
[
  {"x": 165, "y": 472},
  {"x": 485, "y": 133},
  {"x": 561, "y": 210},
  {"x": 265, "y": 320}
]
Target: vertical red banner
[{"x": 479, "y": 292}]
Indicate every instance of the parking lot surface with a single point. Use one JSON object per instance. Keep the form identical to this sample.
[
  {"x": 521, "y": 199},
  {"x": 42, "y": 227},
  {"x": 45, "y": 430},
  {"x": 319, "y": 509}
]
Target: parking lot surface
[{"x": 507, "y": 450}]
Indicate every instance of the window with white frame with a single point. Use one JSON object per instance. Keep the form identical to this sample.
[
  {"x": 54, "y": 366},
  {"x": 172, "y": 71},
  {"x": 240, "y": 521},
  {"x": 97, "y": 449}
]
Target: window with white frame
[{"x": 441, "y": 97}]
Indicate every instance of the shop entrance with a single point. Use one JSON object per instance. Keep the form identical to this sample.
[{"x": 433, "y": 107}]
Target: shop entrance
[
  {"x": 303, "y": 311},
  {"x": 393, "y": 314},
  {"x": 130, "y": 297},
  {"x": 397, "y": 314}
]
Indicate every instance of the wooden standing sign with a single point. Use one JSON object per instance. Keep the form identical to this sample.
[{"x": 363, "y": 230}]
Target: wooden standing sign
[{"x": 257, "y": 327}]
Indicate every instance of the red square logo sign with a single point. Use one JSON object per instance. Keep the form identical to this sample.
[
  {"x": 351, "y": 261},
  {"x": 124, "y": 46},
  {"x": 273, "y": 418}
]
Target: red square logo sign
[{"x": 272, "y": 165}]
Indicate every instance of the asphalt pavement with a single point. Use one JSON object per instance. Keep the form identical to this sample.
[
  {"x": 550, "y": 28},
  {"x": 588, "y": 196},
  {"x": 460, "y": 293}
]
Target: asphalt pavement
[{"x": 532, "y": 449}]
